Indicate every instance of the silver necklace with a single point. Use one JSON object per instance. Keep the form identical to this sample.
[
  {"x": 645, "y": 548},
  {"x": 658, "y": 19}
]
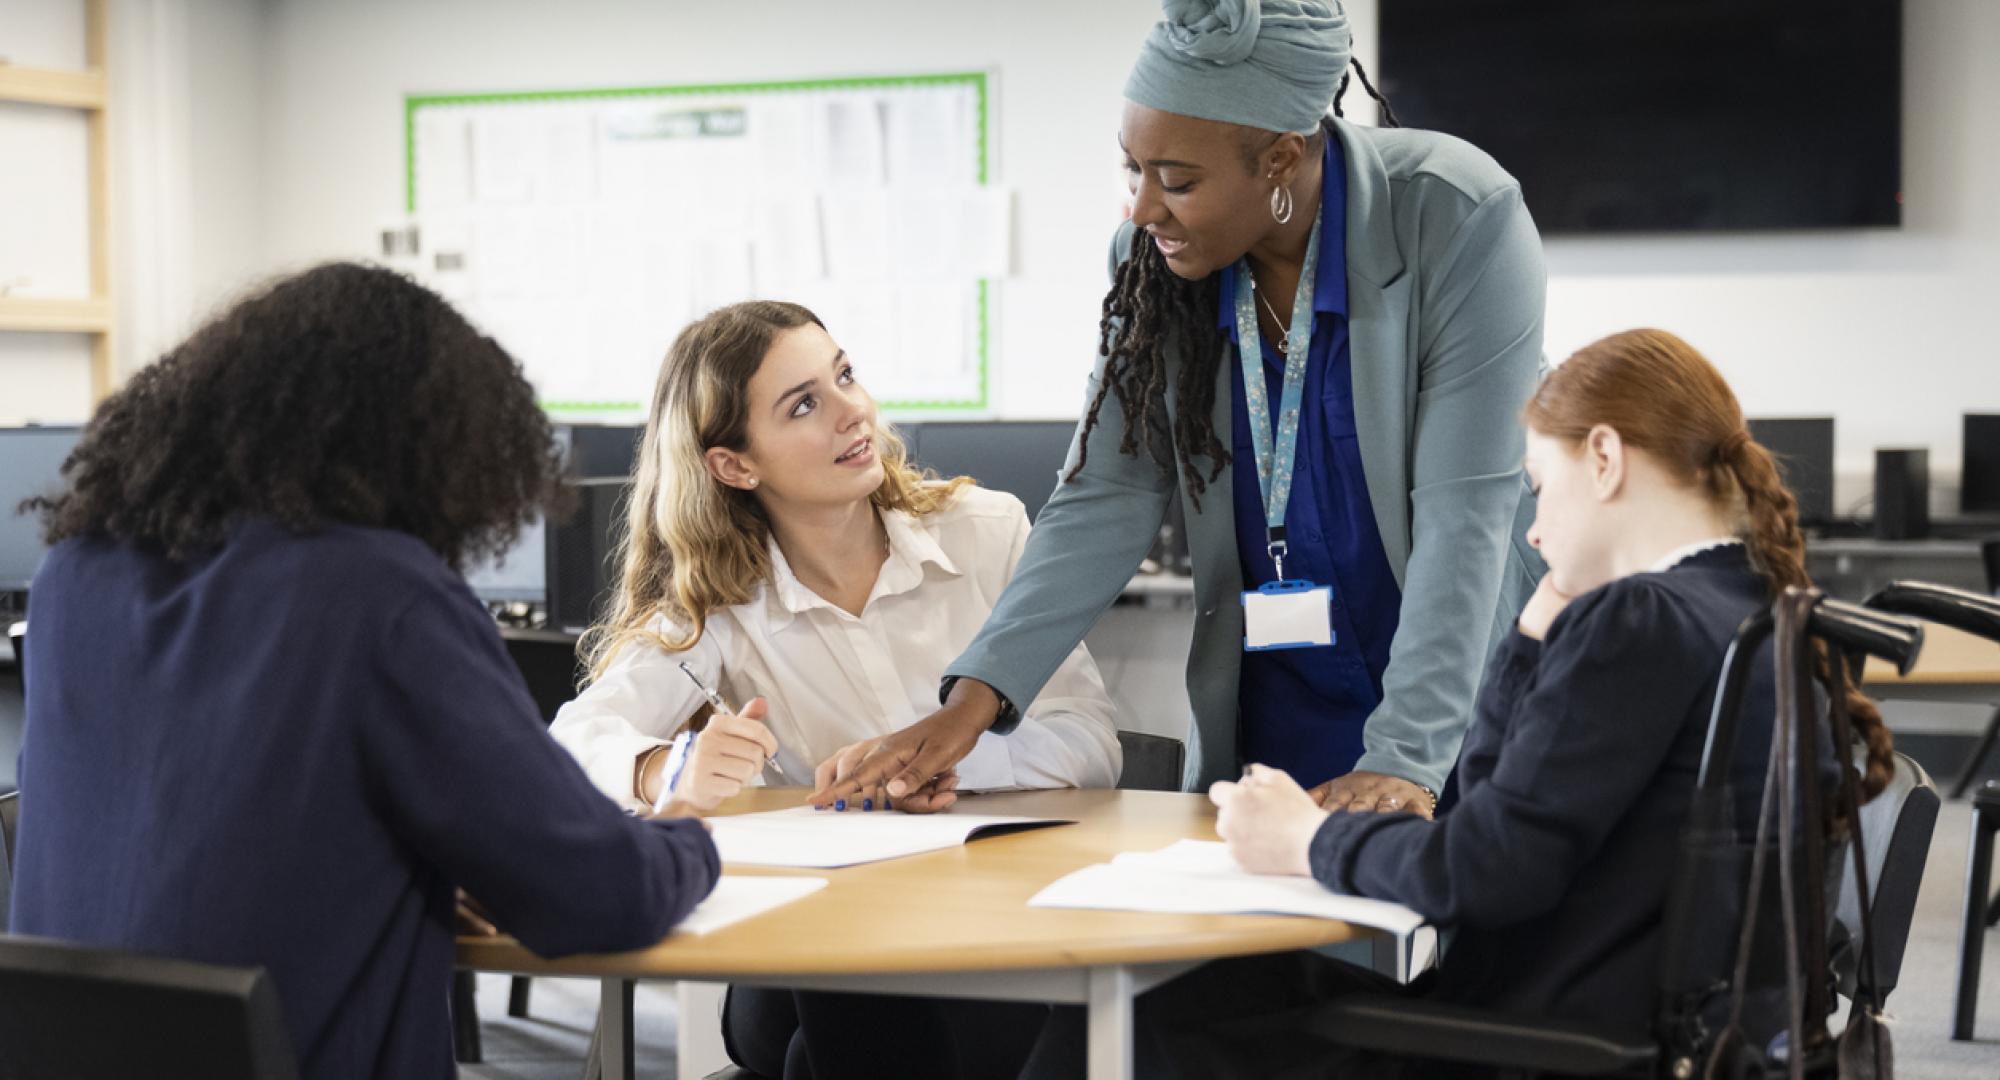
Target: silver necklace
[{"x": 1284, "y": 342}]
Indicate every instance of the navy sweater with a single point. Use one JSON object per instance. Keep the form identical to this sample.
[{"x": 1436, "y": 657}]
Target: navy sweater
[
  {"x": 287, "y": 753},
  {"x": 1575, "y": 778}
]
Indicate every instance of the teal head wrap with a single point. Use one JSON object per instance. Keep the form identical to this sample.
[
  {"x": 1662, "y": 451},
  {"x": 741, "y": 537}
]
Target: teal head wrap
[{"x": 1269, "y": 64}]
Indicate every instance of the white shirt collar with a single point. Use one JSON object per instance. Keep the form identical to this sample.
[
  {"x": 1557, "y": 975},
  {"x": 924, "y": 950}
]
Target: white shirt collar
[
  {"x": 1682, "y": 554},
  {"x": 911, "y": 545}
]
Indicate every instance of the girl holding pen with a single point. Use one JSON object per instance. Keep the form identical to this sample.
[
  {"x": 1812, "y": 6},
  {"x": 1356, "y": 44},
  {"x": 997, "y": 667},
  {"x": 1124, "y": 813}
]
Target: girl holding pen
[{"x": 781, "y": 551}]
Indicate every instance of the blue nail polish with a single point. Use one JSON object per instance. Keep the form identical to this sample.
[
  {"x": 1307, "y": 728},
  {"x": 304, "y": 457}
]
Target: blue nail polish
[
  {"x": 867, "y": 804},
  {"x": 840, "y": 804}
]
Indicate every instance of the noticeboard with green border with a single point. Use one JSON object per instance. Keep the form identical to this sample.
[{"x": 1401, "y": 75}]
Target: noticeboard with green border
[{"x": 451, "y": 195}]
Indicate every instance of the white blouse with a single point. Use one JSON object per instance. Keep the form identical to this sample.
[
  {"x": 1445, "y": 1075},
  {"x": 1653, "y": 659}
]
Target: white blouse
[{"x": 833, "y": 678}]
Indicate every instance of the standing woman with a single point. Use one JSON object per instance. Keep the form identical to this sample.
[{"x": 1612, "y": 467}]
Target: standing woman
[{"x": 1317, "y": 337}]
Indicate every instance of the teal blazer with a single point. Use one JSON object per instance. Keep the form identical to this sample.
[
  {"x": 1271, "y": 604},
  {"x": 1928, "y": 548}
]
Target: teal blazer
[{"x": 1445, "y": 286}]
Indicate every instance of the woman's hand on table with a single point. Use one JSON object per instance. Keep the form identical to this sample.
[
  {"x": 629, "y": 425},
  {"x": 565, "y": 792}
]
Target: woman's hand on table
[
  {"x": 472, "y": 920},
  {"x": 936, "y": 795},
  {"x": 914, "y": 766},
  {"x": 1267, "y": 820},
  {"x": 1372, "y": 791}
]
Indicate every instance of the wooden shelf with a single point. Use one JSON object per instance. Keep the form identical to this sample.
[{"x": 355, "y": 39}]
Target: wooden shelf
[
  {"x": 90, "y": 315},
  {"x": 45, "y": 86}
]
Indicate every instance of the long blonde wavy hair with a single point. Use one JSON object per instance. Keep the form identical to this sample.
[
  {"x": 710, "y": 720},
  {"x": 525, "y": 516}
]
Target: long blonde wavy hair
[{"x": 691, "y": 544}]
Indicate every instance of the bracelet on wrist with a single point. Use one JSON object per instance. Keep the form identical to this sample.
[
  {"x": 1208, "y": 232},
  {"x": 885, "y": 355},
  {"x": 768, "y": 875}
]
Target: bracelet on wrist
[{"x": 645, "y": 761}]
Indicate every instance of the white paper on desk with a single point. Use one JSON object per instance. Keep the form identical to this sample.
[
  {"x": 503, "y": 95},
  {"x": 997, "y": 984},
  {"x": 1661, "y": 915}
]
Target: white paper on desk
[
  {"x": 825, "y": 839},
  {"x": 1199, "y": 877},
  {"x": 737, "y": 898}
]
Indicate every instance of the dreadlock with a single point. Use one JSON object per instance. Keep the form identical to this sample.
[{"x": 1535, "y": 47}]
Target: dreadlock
[
  {"x": 1150, "y": 310},
  {"x": 1388, "y": 114}
]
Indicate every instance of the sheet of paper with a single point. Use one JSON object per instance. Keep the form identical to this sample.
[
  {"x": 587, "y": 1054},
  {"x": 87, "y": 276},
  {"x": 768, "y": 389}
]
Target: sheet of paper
[
  {"x": 824, "y": 839},
  {"x": 737, "y": 898},
  {"x": 1195, "y": 877},
  {"x": 444, "y": 161}
]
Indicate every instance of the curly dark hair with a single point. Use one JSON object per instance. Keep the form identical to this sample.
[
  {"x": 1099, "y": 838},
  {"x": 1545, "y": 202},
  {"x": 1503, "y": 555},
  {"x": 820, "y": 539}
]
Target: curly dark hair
[
  {"x": 344, "y": 394},
  {"x": 1150, "y": 310}
]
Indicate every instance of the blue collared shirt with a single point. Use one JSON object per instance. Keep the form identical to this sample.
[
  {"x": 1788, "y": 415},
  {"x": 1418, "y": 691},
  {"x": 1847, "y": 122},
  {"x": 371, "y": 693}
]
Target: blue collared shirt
[{"x": 1303, "y": 710}]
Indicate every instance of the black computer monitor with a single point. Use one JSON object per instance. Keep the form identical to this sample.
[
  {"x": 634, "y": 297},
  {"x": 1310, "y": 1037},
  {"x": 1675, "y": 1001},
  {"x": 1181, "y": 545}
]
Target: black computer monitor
[
  {"x": 30, "y": 464},
  {"x": 1803, "y": 446},
  {"x": 1979, "y": 478},
  {"x": 1020, "y": 457},
  {"x": 600, "y": 451}
]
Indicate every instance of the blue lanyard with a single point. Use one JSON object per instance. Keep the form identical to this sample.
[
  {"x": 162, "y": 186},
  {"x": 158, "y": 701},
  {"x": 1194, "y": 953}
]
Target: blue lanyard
[{"x": 1274, "y": 469}]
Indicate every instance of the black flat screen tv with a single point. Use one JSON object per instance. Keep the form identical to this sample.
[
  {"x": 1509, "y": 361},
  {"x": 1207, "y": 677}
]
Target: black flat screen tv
[{"x": 1664, "y": 115}]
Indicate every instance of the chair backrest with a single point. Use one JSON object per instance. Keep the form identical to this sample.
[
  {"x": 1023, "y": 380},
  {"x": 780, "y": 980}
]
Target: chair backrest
[
  {"x": 1896, "y": 828},
  {"x": 548, "y": 664},
  {"x": 10, "y": 811},
  {"x": 85, "y": 1013},
  {"x": 1706, "y": 906},
  {"x": 1152, "y": 762}
]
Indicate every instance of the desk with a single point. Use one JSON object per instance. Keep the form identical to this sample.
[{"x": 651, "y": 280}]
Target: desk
[
  {"x": 1956, "y": 668},
  {"x": 956, "y": 923}
]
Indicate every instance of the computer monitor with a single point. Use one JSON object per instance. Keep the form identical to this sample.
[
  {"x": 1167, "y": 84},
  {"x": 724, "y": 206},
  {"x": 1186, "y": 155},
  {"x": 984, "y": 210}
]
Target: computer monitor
[
  {"x": 1020, "y": 457},
  {"x": 600, "y": 451},
  {"x": 30, "y": 464},
  {"x": 1979, "y": 478},
  {"x": 1803, "y": 446},
  {"x": 519, "y": 576}
]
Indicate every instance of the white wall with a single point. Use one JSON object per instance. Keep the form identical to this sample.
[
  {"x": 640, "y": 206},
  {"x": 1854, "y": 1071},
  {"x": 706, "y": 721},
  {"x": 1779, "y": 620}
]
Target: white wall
[
  {"x": 44, "y": 216},
  {"x": 186, "y": 183},
  {"x": 1890, "y": 331},
  {"x": 1884, "y": 329},
  {"x": 290, "y": 152},
  {"x": 338, "y": 73}
]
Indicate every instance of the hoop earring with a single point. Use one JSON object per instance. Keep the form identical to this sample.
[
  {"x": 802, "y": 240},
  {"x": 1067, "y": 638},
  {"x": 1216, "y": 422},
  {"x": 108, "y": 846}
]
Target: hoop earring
[{"x": 1281, "y": 204}]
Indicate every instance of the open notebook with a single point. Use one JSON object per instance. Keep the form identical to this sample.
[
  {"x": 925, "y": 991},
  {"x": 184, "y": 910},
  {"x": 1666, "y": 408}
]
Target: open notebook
[
  {"x": 1200, "y": 877},
  {"x": 825, "y": 839}
]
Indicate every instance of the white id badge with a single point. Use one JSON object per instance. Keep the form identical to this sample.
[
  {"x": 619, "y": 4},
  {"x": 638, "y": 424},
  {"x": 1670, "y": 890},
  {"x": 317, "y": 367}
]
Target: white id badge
[{"x": 1287, "y": 615}]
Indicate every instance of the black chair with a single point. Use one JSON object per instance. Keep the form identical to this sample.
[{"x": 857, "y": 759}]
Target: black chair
[
  {"x": 1989, "y": 551},
  {"x": 1981, "y": 912},
  {"x": 1415, "y": 1028},
  {"x": 96, "y": 1014},
  {"x": 1980, "y": 616},
  {"x": 1152, "y": 762},
  {"x": 1896, "y": 827},
  {"x": 10, "y": 812}
]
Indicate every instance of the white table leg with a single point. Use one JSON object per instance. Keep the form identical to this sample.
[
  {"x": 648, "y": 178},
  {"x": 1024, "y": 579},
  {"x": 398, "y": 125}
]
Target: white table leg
[
  {"x": 1110, "y": 1022},
  {"x": 699, "y": 1047},
  {"x": 1392, "y": 956},
  {"x": 614, "y": 1029}
]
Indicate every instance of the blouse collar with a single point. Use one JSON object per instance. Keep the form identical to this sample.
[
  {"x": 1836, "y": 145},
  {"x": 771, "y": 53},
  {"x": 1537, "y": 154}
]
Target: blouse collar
[
  {"x": 1682, "y": 554},
  {"x": 911, "y": 547}
]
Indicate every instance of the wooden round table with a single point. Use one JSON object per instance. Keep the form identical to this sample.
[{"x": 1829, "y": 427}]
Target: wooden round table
[{"x": 956, "y": 923}]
